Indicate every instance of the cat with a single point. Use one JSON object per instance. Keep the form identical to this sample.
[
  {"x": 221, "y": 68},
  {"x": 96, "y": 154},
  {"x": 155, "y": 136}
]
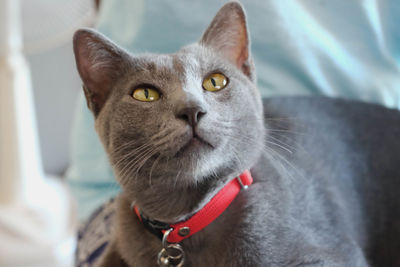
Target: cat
[{"x": 179, "y": 127}]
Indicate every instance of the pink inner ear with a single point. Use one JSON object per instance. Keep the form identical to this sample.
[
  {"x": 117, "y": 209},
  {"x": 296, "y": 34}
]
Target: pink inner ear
[
  {"x": 227, "y": 34},
  {"x": 236, "y": 49},
  {"x": 98, "y": 63},
  {"x": 241, "y": 52},
  {"x": 99, "y": 82},
  {"x": 244, "y": 55}
]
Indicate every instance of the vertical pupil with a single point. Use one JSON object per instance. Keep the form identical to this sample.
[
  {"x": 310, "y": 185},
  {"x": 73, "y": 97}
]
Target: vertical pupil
[
  {"x": 213, "y": 82},
  {"x": 146, "y": 93}
]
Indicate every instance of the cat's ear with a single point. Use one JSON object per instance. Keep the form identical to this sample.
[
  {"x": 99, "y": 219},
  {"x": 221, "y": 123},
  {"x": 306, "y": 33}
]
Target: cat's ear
[
  {"x": 99, "y": 62},
  {"x": 228, "y": 35}
]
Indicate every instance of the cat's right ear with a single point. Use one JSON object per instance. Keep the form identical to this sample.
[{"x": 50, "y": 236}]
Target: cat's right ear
[{"x": 99, "y": 62}]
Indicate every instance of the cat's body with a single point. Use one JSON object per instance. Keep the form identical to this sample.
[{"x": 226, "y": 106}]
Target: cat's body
[
  {"x": 325, "y": 171},
  {"x": 328, "y": 196}
]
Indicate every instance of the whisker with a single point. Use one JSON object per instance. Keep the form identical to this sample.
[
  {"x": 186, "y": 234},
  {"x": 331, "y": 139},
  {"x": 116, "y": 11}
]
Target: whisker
[
  {"x": 145, "y": 158},
  {"x": 117, "y": 149},
  {"x": 176, "y": 178},
  {"x": 134, "y": 161},
  {"x": 280, "y": 146},
  {"x": 283, "y": 131},
  {"x": 151, "y": 169},
  {"x": 270, "y": 151},
  {"x": 132, "y": 152}
]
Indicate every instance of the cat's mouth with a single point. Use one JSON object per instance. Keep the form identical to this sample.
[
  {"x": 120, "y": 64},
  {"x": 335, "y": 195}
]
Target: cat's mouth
[{"x": 195, "y": 143}]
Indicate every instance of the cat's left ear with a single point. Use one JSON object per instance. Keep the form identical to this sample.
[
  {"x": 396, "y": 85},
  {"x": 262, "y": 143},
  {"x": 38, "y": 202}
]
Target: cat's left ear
[{"x": 228, "y": 35}]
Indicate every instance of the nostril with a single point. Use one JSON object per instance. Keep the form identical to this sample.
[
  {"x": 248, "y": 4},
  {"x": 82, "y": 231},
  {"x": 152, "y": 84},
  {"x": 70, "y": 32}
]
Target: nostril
[
  {"x": 184, "y": 117},
  {"x": 191, "y": 115},
  {"x": 199, "y": 115}
]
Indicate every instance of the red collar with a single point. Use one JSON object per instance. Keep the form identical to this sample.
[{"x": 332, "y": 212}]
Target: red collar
[{"x": 217, "y": 205}]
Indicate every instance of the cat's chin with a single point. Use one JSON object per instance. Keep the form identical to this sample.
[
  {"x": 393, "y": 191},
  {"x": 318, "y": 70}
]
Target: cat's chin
[{"x": 194, "y": 147}]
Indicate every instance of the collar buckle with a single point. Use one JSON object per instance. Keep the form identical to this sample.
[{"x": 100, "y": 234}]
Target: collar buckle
[
  {"x": 245, "y": 179},
  {"x": 243, "y": 186}
]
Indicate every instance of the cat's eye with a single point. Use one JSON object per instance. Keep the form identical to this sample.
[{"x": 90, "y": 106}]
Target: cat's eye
[
  {"x": 215, "y": 82},
  {"x": 146, "y": 94}
]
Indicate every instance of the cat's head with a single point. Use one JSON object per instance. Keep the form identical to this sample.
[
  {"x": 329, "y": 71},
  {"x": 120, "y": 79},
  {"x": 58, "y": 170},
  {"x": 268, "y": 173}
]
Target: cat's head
[{"x": 175, "y": 119}]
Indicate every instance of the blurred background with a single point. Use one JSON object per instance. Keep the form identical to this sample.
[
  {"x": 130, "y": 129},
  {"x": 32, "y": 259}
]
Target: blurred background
[
  {"x": 38, "y": 92},
  {"x": 343, "y": 48},
  {"x": 48, "y": 27}
]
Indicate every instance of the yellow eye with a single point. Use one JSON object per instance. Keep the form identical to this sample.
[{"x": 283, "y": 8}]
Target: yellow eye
[
  {"x": 146, "y": 94},
  {"x": 215, "y": 82}
]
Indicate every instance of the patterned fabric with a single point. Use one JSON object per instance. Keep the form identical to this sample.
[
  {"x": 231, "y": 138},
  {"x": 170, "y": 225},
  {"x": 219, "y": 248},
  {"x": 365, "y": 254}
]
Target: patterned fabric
[{"x": 94, "y": 235}]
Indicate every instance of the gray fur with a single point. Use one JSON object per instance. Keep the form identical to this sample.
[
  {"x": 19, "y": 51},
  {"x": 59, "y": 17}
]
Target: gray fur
[{"x": 326, "y": 171}]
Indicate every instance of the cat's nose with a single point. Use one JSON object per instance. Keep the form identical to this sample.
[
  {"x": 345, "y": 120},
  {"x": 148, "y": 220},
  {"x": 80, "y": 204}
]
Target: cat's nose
[{"x": 191, "y": 115}]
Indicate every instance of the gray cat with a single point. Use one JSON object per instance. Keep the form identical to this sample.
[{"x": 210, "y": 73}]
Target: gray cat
[{"x": 179, "y": 127}]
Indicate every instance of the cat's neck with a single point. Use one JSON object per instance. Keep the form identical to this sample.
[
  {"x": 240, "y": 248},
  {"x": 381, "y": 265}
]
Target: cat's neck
[{"x": 174, "y": 204}]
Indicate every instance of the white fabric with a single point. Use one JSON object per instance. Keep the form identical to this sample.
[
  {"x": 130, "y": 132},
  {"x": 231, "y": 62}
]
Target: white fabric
[
  {"x": 41, "y": 233},
  {"x": 36, "y": 222}
]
